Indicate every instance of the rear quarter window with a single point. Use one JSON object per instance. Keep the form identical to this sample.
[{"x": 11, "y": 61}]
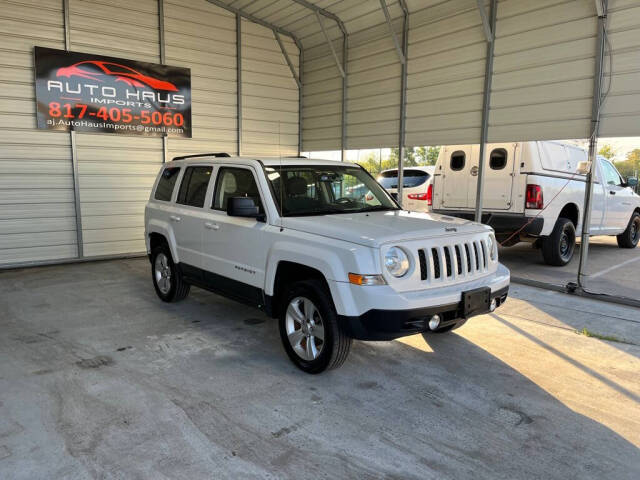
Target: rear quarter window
[
  {"x": 166, "y": 184},
  {"x": 498, "y": 159},
  {"x": 458, "y": 159}
]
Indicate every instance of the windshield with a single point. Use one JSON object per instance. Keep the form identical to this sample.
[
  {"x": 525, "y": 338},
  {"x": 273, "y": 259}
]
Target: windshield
[
  {"x": 411, "y": 178},
  {"x": 321, "y": 190}
]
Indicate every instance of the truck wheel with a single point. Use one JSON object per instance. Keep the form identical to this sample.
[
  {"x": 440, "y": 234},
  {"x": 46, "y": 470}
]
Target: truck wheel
[
  {"x": 309, "y": 328},
  {"x": 630, "y": 237},
  {"x": 167, "y": 277},
  {"x": 558, "y": 248}
]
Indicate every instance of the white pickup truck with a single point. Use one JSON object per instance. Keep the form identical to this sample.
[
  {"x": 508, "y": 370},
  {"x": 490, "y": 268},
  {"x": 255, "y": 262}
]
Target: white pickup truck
[
  {"x": 534, "y": 191},
  {"x": 297, "y": 239}
]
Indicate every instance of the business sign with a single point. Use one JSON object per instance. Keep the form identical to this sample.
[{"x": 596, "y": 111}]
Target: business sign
[{"x": 93, "y": 93}]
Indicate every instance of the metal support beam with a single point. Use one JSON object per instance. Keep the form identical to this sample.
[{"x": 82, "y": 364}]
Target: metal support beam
[
  {"x": 488, "y": 28},
  {"x": 300, "y": 96},
  {"x": 593, "y": 141},
  {"x": 343, "y": 132},
  {"x": 163, "y": 60},
  {"x": 287, "y": 59},
  {"x": 74, "y": 149},
  {"x": 323, "y": 12},
  {"x": 330, "y": 43},
  {"x": 486, "y": 101},
  {"x": 396, "y": 42},
  {"x": 403, "y": 99},
  {"x": 239, "y": 83}
]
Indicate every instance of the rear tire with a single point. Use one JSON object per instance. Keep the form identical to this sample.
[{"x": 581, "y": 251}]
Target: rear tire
[
  {"x": 558, "y": 248},
  {"x": 309, "y": 328},
  {"x": 630, "y": 237},
  {"x": 167, "y": 276}
]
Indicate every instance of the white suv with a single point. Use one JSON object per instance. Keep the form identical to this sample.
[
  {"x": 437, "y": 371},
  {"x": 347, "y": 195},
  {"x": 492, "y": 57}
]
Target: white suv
[{"x": 294, "y": 238}]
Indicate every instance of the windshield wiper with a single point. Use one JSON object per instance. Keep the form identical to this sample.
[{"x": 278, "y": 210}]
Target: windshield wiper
[{"x": 377, "y": 208}]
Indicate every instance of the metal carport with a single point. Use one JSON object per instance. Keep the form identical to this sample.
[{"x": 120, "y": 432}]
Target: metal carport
[{"x": 281, "y": 76}]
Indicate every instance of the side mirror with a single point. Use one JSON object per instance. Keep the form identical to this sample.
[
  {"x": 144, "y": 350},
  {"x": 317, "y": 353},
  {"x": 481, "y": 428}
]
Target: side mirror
[
  {"x": 632, "y": 182},
  {"x": 583, "y": 168},
  {"x": 242, "y": 207}
]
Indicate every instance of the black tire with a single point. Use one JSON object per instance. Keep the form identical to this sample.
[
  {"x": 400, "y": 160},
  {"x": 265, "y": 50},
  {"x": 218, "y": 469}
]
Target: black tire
[
  {"x": 630, "y": 237},
  {"x": 558, "y": 248},
  {"x": 335, "y": 342},
  {"x": 178, "y": 288}
]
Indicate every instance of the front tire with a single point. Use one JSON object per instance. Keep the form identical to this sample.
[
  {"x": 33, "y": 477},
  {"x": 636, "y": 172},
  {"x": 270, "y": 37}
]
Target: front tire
[
  {"x": 630, "y": 237},
  {"x": 309, "y": 328},
  {"x": 167, "y": 277},
  {"x": 558, "y": 248}
]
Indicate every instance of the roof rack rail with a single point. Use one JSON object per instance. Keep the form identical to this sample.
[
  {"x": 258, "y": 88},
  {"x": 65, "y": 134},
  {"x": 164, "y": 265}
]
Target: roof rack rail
[
  {"x": 219, "y": 154},
  {"x": 296, "y": 156}
]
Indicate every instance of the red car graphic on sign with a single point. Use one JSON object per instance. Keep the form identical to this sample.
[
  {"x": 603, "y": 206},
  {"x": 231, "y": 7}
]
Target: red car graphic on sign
[{"x": 87, "y": 69}]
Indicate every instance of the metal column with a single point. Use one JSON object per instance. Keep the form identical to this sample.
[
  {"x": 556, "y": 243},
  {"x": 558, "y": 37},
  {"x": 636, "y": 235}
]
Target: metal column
[
  {"x": 163, "y": 60},
  {"x": 343, "y": 134},
  {"x": 403, "y": 100},
  {"x": 486, "y": 101},
  {"x": 239, "y": 81},
  {"x": 593, "y": 141},
  {"x": 74, "y": 149}
]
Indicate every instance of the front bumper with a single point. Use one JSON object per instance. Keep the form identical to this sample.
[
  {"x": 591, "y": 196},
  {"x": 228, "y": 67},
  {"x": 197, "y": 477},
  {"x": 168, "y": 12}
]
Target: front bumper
[{"x": 378, "y": 324}]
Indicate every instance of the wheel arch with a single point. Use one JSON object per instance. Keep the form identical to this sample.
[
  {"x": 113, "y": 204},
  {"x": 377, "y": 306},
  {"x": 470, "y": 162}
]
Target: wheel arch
[
  {"x": 158, "y": 232},
  {"x": 572, "y": 212}
]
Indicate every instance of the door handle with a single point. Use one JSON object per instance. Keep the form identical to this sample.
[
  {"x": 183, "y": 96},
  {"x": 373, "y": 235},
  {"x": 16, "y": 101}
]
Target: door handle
[
  {"x": 211, "y": 226},
  {"x": 612, "y": 192},
  {"x": 174, "y": 218}
]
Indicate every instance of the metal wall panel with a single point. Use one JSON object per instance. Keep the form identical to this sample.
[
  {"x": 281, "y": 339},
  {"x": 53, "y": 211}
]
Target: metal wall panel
[
  {"x": 269, "y": 93},
  {"x": 113, "y": 183},
  {"x": 447, "y": 48},
  {"x": 621, "y": 110},
  {"x": 543, "y": 70},
  {"x": 202, "y": 37},
  {"x": 37, "y": 214}
]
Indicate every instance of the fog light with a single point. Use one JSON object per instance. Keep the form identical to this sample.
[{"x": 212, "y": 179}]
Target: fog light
[
  {"x": 493, "y": 305},
  {"x": 434, "y": 322}
]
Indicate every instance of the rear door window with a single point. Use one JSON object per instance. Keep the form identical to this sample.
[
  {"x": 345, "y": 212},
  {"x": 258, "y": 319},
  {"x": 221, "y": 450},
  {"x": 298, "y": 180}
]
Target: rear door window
[
  {"x": 166, "y": 184},
  {"x": 498, "y": 159},
  {"x": 194, "y": 186},
  {"x": 458, "y": 159}
]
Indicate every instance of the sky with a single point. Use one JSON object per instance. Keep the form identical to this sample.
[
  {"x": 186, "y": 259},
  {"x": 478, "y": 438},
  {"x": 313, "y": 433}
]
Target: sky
[{"x": 621, "y": 145}]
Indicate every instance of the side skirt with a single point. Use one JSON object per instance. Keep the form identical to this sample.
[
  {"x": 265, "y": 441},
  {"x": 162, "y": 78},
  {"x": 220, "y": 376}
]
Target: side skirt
[{"x": 227, "y": 287}]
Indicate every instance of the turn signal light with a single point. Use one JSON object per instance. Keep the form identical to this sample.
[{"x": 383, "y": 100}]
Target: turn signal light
[
  {"x": 418, "y": 196},
  {"x": 358, "y": 279},
  {"x": 534, "y": 197}
]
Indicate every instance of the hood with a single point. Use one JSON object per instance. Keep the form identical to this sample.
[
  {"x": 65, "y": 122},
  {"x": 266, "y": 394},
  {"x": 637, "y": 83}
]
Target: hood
[{"x": 373, "y": 229}]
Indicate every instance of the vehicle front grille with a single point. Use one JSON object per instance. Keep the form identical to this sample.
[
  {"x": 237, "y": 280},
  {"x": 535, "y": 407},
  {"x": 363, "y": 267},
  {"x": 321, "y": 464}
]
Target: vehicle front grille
[{"x": 466, "y": 260}]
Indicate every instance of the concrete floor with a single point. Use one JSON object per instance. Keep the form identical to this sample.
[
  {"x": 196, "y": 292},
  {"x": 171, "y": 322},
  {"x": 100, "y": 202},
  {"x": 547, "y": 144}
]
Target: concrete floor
[
  {"x": 611, "y": 270},
  {"x": 99, "y": 379}
]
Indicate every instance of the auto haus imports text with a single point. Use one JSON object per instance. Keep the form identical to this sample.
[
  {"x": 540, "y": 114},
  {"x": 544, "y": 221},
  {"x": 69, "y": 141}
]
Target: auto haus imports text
[{"x": 110, "y": 95}]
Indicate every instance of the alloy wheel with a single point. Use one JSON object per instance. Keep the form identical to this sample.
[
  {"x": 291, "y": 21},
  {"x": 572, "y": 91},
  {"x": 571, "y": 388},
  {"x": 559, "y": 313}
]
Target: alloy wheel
[
  {"x": 305, "y": 329},
  {"x": 162, "y": 273}
]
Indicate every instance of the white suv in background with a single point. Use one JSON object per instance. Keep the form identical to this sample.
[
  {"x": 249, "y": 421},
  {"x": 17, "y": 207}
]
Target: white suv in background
[
  {"x": 297, "y": 239},
  {"x": 417, "y": 187}
]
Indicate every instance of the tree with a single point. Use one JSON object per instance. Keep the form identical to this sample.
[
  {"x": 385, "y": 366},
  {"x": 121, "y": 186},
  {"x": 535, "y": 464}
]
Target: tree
[
  {"x": 607, "y": 151},
  {"x": 417, "y": 156},
  {"x": 372, "y": 164},
  {"x": 631, "y": 166}
]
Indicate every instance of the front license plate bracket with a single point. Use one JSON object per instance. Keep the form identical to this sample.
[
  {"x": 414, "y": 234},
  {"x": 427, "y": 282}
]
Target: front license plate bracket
[{"x": 476, "y": 302}]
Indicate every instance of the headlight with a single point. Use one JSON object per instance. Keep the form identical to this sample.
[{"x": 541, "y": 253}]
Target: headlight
[
  {"x": 493, "y": 248},
  {"x": 396, "y": 261}
]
